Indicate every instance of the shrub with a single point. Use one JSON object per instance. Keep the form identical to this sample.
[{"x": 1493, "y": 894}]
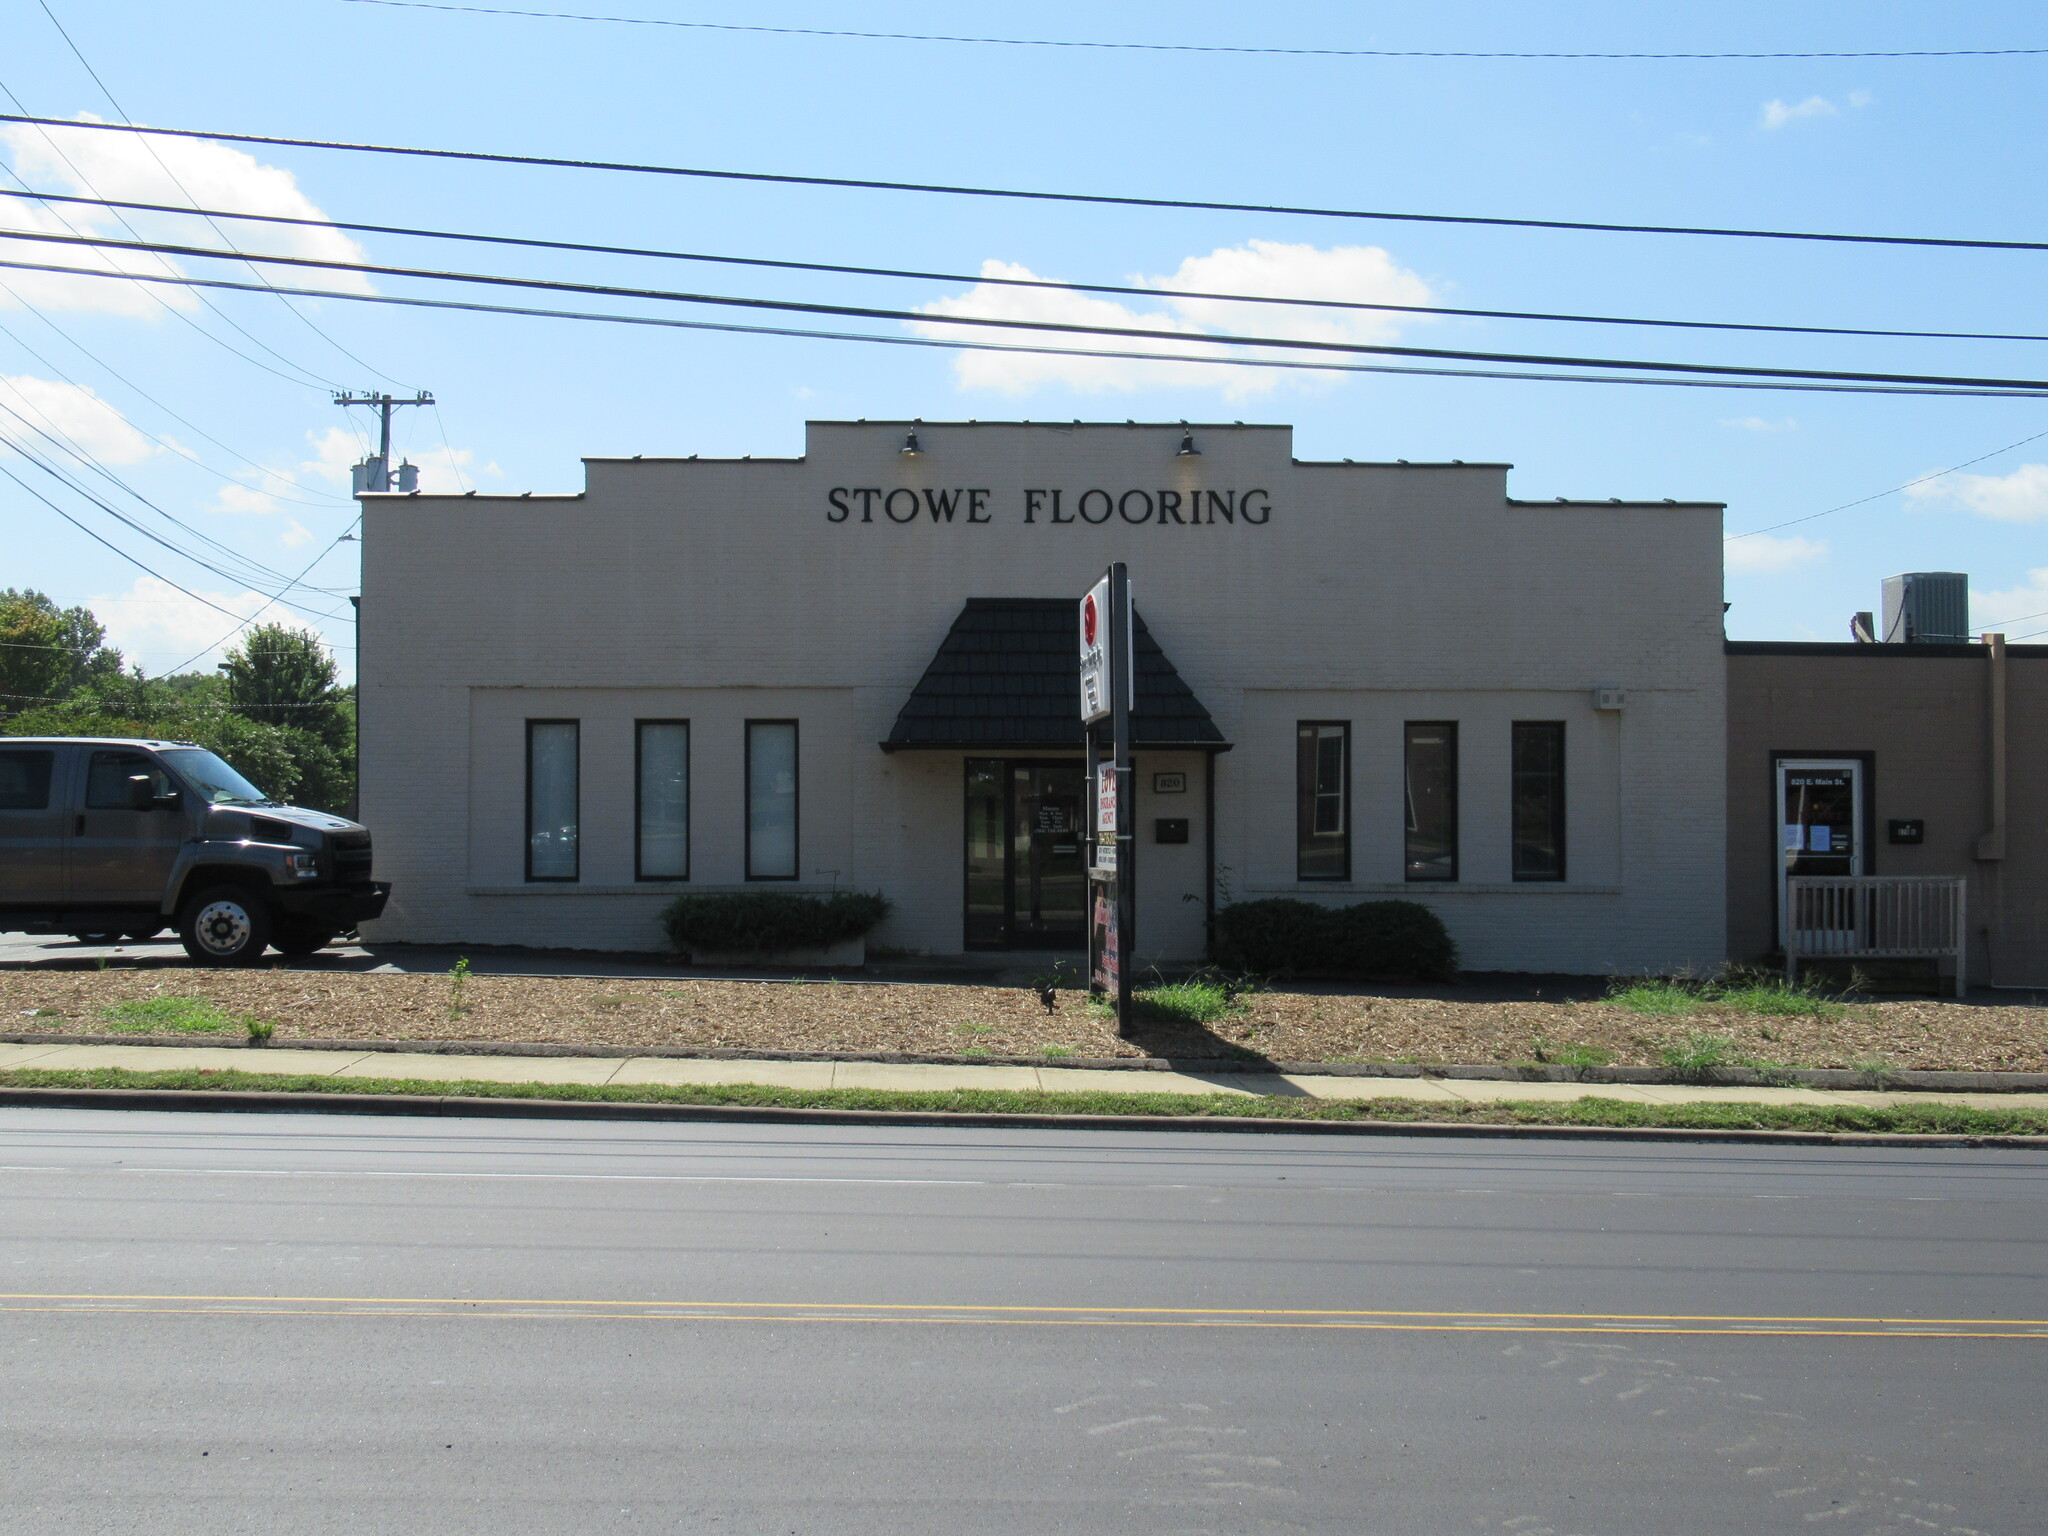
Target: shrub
[
  {"x": 1280, "y": 936},
  {"x": 760, "y": 921}
]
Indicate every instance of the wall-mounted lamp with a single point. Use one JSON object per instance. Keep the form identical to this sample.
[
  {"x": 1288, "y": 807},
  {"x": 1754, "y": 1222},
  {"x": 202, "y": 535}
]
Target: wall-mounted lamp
[
  {"x": 1187, "y": 448},
  {"x": 910, "y": 449}
]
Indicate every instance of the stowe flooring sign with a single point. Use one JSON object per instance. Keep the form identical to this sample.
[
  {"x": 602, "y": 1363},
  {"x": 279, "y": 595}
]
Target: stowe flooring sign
[{"x": 974, "y": 504}]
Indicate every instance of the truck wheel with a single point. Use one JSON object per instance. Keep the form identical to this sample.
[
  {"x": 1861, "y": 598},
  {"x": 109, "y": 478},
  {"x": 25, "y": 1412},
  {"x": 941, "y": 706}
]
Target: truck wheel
[
  {"x": 226, "y": 925},
  {"x": 296, "y": 939}
]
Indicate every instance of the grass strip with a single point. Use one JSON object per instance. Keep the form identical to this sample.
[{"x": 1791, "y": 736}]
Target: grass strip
[{"x": 1906, "y": 1119}]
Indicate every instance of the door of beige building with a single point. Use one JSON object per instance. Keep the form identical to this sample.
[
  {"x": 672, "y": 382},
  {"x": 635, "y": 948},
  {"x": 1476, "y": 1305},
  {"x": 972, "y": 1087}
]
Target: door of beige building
[{"x": 1821, "y": 827}]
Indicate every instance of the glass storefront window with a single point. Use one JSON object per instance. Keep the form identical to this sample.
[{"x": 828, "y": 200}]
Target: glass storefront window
[
  {"x": 1538, "y": 771},
  {"x": 771, "y": 800},
  {"x": 662, "y": 794},
  {"x": 552, "y": 812},
  {"x": 1430, "y": 790}
]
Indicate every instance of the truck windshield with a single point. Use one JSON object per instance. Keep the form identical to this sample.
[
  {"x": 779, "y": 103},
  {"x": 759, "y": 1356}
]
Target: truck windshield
[{"x": 213, "y": 780}]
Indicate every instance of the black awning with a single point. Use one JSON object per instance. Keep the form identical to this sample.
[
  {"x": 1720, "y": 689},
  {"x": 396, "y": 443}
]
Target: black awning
[{"x": 1005, "y": 678}]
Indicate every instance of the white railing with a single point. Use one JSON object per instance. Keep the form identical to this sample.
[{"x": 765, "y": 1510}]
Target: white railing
[{"x": 1874, "y": 917}]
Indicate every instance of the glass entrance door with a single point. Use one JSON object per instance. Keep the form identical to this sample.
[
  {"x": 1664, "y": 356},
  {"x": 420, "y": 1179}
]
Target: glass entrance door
[
  {"x": 1820, "y": 829},
  {"x": 1025, "y": 884}
]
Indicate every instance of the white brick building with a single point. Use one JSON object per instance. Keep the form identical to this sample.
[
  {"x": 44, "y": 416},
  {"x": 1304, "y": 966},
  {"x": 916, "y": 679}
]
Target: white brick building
[{"x": 1369, "y": 680}]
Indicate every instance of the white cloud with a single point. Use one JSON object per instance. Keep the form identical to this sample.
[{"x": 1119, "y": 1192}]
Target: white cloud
[
  {"x": 242, "y": 498},
  {"x": 127, "y": 167},
  {"x": 1760, "y": 423},
  {"x": 159, "y": 626},
  {"x": 1761, "y": 555},
  {"x": 2020, "y": 497},
  {"x": 295, "y": 535},
  {"x": 1860, "y": 98},
  {"x": 443, "y": 470},
  {"x": 1777, "y": 113},
  {"x": 70, "y": 411},
  {"x": 2026, "y": 604},
  {"x": 1356, "y": 274}
]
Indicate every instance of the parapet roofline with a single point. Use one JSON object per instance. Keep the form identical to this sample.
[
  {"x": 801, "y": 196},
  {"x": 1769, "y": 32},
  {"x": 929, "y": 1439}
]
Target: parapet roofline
[{"x": 1612, "y": 501}]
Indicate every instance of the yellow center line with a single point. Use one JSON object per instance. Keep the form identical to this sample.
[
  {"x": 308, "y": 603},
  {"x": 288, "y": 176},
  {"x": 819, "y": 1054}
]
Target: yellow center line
[
  {"x": 1041, "y": 1311},
  {"x": 1338, "y": 1319}
]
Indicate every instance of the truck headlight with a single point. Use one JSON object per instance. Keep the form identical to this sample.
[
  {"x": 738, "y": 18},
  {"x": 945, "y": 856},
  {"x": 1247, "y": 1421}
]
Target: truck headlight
[{"x": 302, "y": 866}]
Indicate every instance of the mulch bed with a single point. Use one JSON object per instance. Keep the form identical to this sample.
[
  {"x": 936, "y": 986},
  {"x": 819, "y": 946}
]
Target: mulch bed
[{"x": 1925, "y": 1035}]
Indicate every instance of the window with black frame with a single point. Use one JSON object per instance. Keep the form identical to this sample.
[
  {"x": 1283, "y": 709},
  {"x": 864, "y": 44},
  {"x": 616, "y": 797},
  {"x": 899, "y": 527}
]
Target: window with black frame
[
  {"x": 1538, "y": 773},
  {"x": 661, "y": 796},
  {"x": 1430, "y": 791},
  {"x": 771, "y": 800},
  {"x": 1322, "y": 800},
  {"x": 553, "y": 813}
]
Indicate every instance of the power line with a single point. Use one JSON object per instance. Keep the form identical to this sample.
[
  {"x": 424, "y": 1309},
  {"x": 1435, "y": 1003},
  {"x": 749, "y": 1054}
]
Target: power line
[
  {"x": 1040, "y": 283},
  {"x": 1879, "y": 496},
  {"x": 224, "y": 639},
  {"x": 122, "y": 111},
  {"x": 471, "y": 306},
  {"x": 130, "y": 523},
  {"x": 183, "y": 454},
  {"x": 1319, "y": 53},
  {"x": 65, "y": 443},
  {"x": 1101, "y": 199},
  {"x": 1141, "y": 333},
  {"x": 86, "y": 182}
]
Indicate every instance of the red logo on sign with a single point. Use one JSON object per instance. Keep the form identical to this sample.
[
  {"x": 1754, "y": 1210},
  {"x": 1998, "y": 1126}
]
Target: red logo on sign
[{"x": 1088, "y": 620}]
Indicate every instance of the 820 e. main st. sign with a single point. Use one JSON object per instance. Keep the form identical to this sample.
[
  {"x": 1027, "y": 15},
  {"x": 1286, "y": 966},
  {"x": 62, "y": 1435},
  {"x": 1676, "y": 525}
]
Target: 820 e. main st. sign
[{"x": 972, "y": 504}]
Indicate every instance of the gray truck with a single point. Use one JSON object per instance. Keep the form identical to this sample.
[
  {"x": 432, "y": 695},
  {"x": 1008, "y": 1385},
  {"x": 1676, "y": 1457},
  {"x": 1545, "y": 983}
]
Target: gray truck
[{"x": 110, "y": 838}]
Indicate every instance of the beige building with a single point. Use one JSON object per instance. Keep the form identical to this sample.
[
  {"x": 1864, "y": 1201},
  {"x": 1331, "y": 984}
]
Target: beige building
[
  {"x": 855, "y": 669},
  {"x": 1898, "y": 759}
]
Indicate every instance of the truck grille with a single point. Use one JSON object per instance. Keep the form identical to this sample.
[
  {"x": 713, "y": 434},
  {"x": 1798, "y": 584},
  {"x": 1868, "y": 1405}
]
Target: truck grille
[{"x": 351, "y": 857}]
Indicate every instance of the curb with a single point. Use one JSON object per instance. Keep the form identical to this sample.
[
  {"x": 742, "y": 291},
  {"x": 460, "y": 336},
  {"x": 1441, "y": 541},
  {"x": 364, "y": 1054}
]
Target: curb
[
  {"x": 1903, "y": 1081},
  {"x": 209, "y": 1101}
]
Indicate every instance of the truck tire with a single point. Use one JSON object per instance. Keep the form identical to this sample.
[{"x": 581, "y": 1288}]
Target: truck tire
[
  {"x": 299, "y": 939},
  {"x": 225, "y": 925}
]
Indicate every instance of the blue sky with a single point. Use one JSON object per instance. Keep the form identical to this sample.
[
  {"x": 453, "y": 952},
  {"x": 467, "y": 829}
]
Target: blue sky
[{"x": 258, "y": 462}]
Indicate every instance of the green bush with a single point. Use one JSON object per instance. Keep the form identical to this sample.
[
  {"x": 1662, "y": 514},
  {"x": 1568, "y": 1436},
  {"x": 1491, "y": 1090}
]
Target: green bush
[
  {"x": 760, "y": 921},
  {"x": 1280, "y": 936}
]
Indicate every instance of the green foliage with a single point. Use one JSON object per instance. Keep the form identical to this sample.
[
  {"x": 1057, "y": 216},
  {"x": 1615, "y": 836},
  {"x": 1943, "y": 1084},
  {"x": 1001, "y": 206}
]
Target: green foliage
[
  {"x": 458, "y": 980},
  {"x": 1741, "y": 991},
  {"x": 284, "y": 677},
  {"x": 1908, "y": 1119},
  {"x": 1281, "y": 936},
  {"x": 1574, "y": 1055},
  {"x": 251, "y": 717},
  {"x": 47, "y": 652},
  {"x": 176, "y": 1015},
  {"x": 760, "y": 922},
  {"x": 1199, "y": 1001}
]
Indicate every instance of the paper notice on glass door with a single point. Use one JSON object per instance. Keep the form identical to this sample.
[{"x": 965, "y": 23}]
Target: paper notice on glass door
[{"x": 1795, "y": 837}]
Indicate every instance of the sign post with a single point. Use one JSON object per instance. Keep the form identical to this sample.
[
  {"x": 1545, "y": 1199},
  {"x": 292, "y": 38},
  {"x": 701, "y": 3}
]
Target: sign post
[{"x": 1107, "y": 677}]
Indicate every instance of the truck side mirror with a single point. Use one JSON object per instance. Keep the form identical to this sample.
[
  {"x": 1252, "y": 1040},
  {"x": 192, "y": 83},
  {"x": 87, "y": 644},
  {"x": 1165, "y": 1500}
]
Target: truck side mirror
[{"x": 142, "y": 795}]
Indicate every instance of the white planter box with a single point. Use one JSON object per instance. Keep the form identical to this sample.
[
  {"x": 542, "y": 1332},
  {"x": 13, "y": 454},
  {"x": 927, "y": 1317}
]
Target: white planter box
[{"x": 846, "y": 954}]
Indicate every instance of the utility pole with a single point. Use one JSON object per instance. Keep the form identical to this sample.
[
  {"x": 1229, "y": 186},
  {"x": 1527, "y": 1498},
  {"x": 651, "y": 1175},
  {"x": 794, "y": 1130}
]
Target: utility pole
[{"x": 375, "y": 474}]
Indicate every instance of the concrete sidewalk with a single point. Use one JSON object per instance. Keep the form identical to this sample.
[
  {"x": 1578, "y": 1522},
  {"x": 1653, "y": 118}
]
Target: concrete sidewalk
[{"x": 631, "y": 1070}]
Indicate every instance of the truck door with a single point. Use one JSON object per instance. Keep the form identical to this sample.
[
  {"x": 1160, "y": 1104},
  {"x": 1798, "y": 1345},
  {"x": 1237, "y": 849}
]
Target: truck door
[
  {"x": 34, "y": 810},
  {"x": 120, "y": 855}
]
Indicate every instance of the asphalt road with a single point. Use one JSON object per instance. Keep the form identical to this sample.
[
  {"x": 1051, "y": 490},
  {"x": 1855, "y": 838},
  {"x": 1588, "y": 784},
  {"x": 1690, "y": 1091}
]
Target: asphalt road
[{"x": 340, "y": 1324}]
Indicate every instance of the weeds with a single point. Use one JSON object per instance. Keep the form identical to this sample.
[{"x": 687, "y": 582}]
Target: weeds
[
  {"x": 458, "y": 979},
  {"x": 1057, "y": 1050},
  {"x": 1573, "y": 1055},
  {"x": 176, "y": 1015},
  {"x": 1736, "y": 991},
  {"x": 1936, "y": 1119},
  {"x": 261, "y": 1031},
  {"x": 1199, "y": 1001}
]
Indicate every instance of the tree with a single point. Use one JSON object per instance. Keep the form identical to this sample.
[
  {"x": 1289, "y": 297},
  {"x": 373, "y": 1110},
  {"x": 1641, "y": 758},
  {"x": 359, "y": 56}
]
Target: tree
[
  {"x": 46, "y": 652},
  {"x": 282, "y": 676}
]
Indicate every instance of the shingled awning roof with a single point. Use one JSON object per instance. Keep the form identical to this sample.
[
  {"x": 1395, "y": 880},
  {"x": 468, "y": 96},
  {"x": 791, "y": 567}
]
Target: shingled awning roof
[{"x": 1005, "y": 679}]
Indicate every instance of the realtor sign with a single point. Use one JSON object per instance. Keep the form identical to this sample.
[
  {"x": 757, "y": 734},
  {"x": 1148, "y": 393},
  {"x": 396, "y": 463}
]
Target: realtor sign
[
  {"x": 1105, "y": 819},
  {"x": 1095, "y": 648}
]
